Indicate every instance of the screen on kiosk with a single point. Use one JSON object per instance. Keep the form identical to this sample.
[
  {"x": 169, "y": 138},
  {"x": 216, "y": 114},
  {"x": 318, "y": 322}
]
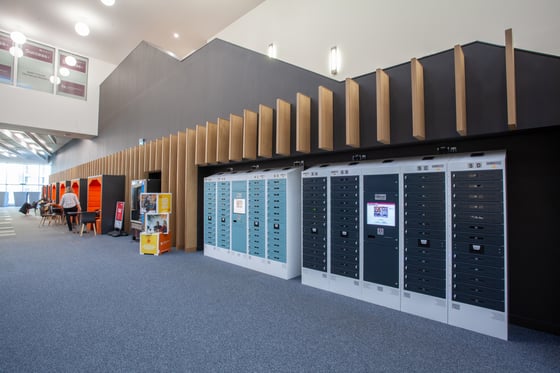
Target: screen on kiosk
[{"x": 381, "y": 214}]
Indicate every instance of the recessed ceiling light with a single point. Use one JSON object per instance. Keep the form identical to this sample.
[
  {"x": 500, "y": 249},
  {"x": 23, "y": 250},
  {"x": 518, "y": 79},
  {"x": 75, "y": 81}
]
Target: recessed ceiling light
[
  {"x": 70, "y": 60},
  {"x": 64, "y": 71},
  {"x": 176, "y": 35},
  {"x": 18, "y": 37},
  {"x": 82, "y": 29},
  {"x": 108, "y": 2}
]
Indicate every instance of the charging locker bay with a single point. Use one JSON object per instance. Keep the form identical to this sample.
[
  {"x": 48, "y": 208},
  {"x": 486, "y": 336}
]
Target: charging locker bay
[
  {"x": 425, "y": 264},
  {"x": 479, "y": 244}
]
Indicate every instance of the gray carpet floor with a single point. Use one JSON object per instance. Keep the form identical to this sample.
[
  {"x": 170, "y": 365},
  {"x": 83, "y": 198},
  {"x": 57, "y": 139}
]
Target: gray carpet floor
[{"x": 94, "y": 304}]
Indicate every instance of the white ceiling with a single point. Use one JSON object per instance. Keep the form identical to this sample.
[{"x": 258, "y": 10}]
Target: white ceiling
[
  {"x": 117, "y": 30},
  {"x": 114, "y": 32}
]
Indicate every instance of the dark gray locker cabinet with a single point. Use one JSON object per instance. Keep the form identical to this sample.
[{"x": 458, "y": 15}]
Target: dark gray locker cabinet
[
  {"x": 478, "y": 244},
  {"x": 314, "y": 223},
  {"x": 345, "y": 232},
  {"x": 425, "y": 238}
]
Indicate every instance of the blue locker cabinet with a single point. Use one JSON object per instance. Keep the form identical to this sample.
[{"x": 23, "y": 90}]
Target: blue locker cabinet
[
  {"x": 345, "y": 232},
  {"x": 425, "y": 274},
  {"x": 224, "y": 214},
  {"x": 479, "y": 264},
  {"x": 276, "y": 214},
  {"x": 257, "y": 218},
  {"x": 239, "y": 216},
  {"x": 314, "y": 223},
  {"x": 209, "y": 213}
]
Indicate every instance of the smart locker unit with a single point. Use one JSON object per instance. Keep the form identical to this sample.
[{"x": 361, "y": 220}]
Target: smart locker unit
[
  {"x": 478, "y": 271},
  {"x": 252, "y": 219},
  {"x": 425, "y": 236}
]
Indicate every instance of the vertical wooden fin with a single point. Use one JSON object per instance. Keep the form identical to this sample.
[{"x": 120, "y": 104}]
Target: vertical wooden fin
[
  {"x": 303, "y": 123},
  {"x": 418, "y": 117},
  {"x": 460, "y": 92}
]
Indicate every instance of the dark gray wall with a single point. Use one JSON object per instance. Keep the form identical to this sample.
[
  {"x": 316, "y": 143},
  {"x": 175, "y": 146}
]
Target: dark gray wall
[{"x": 151, "y": 95}]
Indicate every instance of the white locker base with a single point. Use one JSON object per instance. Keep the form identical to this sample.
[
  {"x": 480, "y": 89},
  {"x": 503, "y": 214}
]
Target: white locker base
[
  {"x": 381, "y": 295},
  {"x": 432, "y": 308},
  {"x": 480, "y": 320}
]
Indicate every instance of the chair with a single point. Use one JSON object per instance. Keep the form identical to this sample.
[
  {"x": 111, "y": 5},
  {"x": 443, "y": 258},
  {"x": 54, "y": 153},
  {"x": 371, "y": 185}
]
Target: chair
[
  {"x": 46, "y": 214},
  {"x": 88, "y": 217}
]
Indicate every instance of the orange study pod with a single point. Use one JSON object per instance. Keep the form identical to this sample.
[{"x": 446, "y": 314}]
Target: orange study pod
[
  {"x": 103, "y": 192},
  {"x": 79, "y": 187}
]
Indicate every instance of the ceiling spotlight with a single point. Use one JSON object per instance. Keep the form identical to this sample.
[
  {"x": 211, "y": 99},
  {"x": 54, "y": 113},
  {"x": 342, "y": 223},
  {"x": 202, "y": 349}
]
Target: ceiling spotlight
[
  {"x": 108, "y": 2},
  {"x": 176, "y": 35},
  {"x": 16, "y": 51},
  {"x": 82, "y": 29},
  {"x": 64, "y": 71},
  {"x": 70, "y": 60},
  {"x": 18, "y": 37}
]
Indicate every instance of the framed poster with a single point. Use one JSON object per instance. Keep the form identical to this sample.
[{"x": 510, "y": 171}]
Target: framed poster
[
  {"x": 156, "y": 223},
  {"x": 36, "y": 67},
  {"x": 148, "y": 202},
  {"x": 164, "y": 203},
  {"x": 73, "y": 73},
  {"x": 6, "y": 59}
]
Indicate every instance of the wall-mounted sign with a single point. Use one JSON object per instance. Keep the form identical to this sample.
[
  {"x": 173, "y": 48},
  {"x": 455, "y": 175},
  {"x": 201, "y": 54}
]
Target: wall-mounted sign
[
  {"x": 6, "y": 59},
  {"x": 73, "y": 72},
  {"x": 36, "y": 67}
]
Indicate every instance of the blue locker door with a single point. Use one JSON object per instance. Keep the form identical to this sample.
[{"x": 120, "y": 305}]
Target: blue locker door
[
  {"x": 223, "y": 214},
  {"x": 239, "y": 216},
  {"x": 276, "y": 236},
  {"x": 257, "y": 218},
  {"x": 210, "y": 213}
]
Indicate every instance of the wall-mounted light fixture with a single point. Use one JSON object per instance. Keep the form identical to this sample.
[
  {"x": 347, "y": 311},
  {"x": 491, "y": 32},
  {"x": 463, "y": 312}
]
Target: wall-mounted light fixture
[
  {"x": 271, "y": 50},
  {"x": 334, "y": 60}
]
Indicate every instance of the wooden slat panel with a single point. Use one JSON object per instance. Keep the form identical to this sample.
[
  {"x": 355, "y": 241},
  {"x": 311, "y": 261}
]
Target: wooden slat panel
[
  {"x": 283, "y": 132},
  {"x": 249, "y": 134},
  {"x": 265, "y": 131},
  {"x": 352, "y": 113},
  {"x": 163, "y": 165},
  {"x": 222, "y": 147},
  {"x": 235, "y": 138},
  {"x": 460, "y": 92},
  {"x": 153, "y": 155},
  {"x": 383, "y": 107},
  {"x": 179, "y": 199},
  {"x": 171, "y": 170},
  {"x": 325, "y": 119},
  {"x": 191, "y": 190},
  {"x": 510, "y": 81},
  {"x": 211, "y": 140},
  {"x": 159, "y": 154},
  {"x": 418, "y": 117},
  {"x": 303, "y": 123},
  {"x": 200, "y": 151}
]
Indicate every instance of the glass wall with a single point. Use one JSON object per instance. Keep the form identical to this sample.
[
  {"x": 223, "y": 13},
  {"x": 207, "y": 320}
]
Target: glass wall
[{"x": 22, "y": 181}]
